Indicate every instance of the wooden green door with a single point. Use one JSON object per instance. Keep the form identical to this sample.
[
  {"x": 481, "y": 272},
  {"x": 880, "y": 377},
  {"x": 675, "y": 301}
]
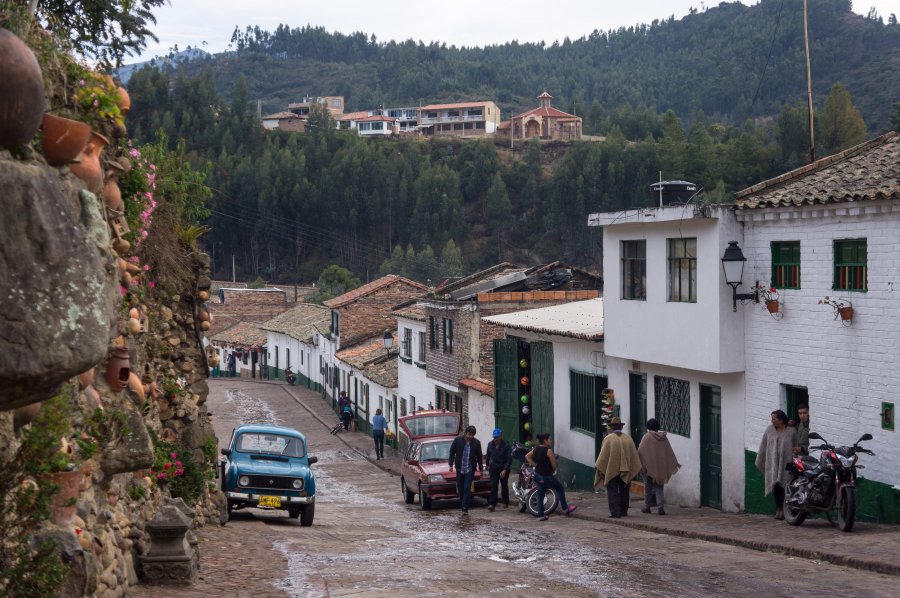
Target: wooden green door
[
  {"x": 506, "y": 400},
  {"x": 542, "y": 387},
  {"x": 794, "y": 397},
  {"x": 637, "y": 406},
  {"x": 710, "y": 446}
]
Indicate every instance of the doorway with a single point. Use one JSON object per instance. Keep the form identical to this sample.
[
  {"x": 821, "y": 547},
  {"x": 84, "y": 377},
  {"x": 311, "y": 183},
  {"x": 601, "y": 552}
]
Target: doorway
[
  {"x": 795, "y": 396},
  {"x": 710, "y": 446},
  {"x": 637, "y": 407}
]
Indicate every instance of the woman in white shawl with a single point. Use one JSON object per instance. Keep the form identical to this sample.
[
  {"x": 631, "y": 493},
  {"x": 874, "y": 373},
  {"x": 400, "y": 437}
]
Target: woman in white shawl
[{"x": 775, "y": 451}]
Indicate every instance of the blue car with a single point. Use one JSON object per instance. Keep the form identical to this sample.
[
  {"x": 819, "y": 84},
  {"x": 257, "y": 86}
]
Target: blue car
[{"x": 268, "y": 467}]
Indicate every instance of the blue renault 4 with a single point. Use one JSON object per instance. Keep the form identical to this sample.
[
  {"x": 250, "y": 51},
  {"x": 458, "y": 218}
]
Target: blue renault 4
[{"x": 268, "y": 467}]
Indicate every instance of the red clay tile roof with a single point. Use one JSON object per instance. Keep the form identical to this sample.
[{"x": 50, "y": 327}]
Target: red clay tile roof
[
  {"x": 457, "y": 105},
  {"x": 372, "y": 360},
  {"x": 352, "y": 116},
  {"x": 550, "y": 112},
  {"x": 479, "y": 384},
  {"x": 243, "y": 334},
  {"x": 300, "y": 322},
  {"x": 281, "y": 116},
  {"x": 868, "y": 171},
  {"x": 366, "y": 289},
  {"x": 411, "y": 312}
]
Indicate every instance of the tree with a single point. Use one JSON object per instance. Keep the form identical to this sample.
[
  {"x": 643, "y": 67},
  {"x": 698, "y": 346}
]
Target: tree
[
  {"x": 424, "y": 266},
  {"x": 452, "y": 264},
  {"x": 895, "y": 116},
  {"x": 498, "y": 211},
  {"x": 333, "y": 281},
  {"x": 840, "y": 124}
]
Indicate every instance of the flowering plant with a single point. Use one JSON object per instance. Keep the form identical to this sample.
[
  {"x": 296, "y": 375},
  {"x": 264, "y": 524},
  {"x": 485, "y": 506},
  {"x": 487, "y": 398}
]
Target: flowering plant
[
  {"x": 138, "y": 185},
  {"x": 96, "y": 99},
  {"x": 843, "y": 308},
  {"x": 166, "y": 468},
  {"x": 766, "y": 293},
  {"x": 173, "y": 386}
]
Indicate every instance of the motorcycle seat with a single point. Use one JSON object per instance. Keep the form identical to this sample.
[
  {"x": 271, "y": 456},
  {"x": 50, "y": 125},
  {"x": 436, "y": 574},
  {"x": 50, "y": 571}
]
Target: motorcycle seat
[{"x": 809, "y": 461}]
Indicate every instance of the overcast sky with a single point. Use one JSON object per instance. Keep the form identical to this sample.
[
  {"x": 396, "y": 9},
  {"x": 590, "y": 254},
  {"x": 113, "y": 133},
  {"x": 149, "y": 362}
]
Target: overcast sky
[{"x": 208, "y": 24}]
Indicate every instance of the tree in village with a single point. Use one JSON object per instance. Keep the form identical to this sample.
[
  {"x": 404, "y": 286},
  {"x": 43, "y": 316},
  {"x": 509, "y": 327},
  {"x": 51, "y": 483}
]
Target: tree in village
[
  {"x": 895, "y": 116},
  {"x": 452, "y": 265},
  {"x": 840, "y": 124},
  {"x": 498, "y": 212},
  {"x": 396, "y": 264},
  {"x": 423, "y": 266},
  {"x": 334, "y": 281}
]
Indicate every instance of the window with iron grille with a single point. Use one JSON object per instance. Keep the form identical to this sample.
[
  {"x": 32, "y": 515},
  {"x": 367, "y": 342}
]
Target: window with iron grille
[
  {"x": 673, "y": 404},
  {"x": 683, "y": 270},
  {"x": 583, "y": 393},
  {"x": 407, "y": 342},
  {"x": 422, "y": 347},
  {"x": 850, "y": 265},
  {"x": 634, "y": 270},
  {"x": 786, "y": 264},
  {"x": 402, "y": 407}
]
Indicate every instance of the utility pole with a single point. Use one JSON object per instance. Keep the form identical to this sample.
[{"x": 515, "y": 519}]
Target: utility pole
[
  {"x": 233, "y": 278},
  {"x": 812, "y": 135}
]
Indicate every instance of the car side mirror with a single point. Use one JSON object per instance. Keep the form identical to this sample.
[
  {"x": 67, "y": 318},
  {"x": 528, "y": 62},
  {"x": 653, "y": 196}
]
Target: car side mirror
[
  {"x": 815, "y": 436},
  {"x": 313, "y": 460},
  {"x": 226, "y": 452}
]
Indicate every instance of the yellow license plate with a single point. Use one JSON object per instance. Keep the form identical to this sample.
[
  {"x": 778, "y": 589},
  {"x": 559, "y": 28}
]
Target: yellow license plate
[{"x": 270, "y": 501}]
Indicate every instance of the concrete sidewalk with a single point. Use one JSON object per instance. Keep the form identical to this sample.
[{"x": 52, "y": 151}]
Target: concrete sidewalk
[{"x": 869, "y": 546}]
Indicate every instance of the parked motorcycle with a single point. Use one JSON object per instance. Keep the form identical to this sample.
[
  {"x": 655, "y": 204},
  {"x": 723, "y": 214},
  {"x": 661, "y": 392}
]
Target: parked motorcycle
[
  {"x": 290, "y": 377},
  {"x": 525, "y": 488},
  {"x": 820, "y": 485}
]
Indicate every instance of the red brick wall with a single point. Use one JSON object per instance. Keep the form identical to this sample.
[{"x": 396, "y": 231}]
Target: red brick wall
[{"x": 371, "y": 314}]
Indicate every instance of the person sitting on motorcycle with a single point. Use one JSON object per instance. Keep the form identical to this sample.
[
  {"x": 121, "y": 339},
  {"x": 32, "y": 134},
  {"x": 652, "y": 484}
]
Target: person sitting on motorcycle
[
  {"x": 543, "y": 460},
  {"x": 289, "y": 376}
]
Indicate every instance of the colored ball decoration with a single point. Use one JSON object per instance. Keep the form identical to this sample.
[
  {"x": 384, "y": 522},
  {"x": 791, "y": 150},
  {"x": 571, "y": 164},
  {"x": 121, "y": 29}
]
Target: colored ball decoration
[
  {"x": 527, "y": 426},
  {"x": 527, "y": 444},
  {"x": 524, "y": 380},
  {"x": 526, "y": 410},
  {"x": 523, "y": 363},
  {"x": 524, "y": 399}
]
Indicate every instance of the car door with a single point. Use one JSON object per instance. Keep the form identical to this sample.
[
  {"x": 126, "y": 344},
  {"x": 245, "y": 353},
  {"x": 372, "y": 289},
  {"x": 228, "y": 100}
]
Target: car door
[{"x": 410, "y": 473}]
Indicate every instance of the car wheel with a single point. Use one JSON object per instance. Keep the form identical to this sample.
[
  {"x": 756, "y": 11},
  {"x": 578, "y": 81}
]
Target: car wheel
[
  {"x": 294, "y": 512},
  {"x": 424, "y": 501},
  {"x": 306, "y": 516},
  {"x": 408, "y": 497}
]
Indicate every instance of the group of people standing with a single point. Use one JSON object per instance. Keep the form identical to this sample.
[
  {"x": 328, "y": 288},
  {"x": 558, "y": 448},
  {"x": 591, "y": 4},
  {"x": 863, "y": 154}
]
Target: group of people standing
[
  {"x": 780, "y": 442},
  {"x": 620, "y": 462}
]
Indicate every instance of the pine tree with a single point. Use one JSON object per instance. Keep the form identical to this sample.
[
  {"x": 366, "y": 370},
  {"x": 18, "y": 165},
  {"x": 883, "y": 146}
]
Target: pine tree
[{"x": 840, "y": 124}]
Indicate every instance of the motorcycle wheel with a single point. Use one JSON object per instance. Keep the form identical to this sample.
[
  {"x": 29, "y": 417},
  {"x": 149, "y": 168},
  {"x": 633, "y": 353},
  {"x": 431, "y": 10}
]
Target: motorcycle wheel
[
  {"x": 847, "y": 509},
  {"x": 551, "y": 501},
  {"x": 791, "y": 515}
]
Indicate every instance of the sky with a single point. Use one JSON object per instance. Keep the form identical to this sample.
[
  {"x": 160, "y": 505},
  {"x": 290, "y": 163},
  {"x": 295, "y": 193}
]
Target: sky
[{"x": 208, "y": 24}]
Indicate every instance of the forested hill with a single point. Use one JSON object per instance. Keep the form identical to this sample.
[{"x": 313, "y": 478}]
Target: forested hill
[{"x": 731, "y": 61}]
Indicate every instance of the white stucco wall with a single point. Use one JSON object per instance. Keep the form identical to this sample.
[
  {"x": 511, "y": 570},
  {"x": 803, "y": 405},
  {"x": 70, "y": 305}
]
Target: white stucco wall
[
  {"x": 412, "y": 381},
  {"x": 848, "y": 370},
  {"x": 657, "y": 330},
  {"x": 481, "y": 415}
]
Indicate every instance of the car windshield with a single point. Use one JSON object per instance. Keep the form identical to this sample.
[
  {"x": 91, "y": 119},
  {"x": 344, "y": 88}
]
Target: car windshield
[
  {"x": 436, "y": 451},
  {"x": 270, "y": 444},
  {"x": 433, "y": 425}
]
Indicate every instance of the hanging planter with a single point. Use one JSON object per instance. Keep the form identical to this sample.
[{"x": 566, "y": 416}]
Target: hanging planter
[
  {"x": 843, "y": 309},
  {"x": 88, "y": 167},
  {"x": 772, "y": 306},
  {"x": 63, "y": 139}
]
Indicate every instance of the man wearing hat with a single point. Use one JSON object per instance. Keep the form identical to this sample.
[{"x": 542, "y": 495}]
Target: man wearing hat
[
  {"x": 617, "y": 464},
  {"x": 499, "y": 460}
]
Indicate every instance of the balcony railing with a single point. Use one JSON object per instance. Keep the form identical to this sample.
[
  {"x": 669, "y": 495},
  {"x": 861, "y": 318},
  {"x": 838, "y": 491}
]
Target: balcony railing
[{"x": 451, "y": 119}]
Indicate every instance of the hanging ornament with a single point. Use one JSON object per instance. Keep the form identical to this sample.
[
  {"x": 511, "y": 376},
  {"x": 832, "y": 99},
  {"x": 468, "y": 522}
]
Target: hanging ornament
[
  {"x": 527, "y": 426},
  {"x": 524, "y": 380},
  {"x": 527, "y": 444},
  {"x": 523, "y": 363},
  {"x": 524, "y": 399},
  {"x": 526, "y": 410}
]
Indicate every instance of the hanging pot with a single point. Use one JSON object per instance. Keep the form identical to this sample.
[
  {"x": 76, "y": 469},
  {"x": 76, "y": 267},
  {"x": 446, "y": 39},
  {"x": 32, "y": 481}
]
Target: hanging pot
[
  {"x": 772, "y": 306},
  {"x": 846, "y": 313},
  {"x": 124, "y": 100},
  {"x": 63, "y": 139},
  {"x": 88, "y": 167},
  {"x": 22, "y": 100},
  {"x": 112, "y": 195},
  {"x": 118, "y": 369}
]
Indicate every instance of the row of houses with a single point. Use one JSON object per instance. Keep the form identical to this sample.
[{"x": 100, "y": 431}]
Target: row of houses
[
  {"x": 538, "y": 349},
  {"x": 460, "y": 119}
]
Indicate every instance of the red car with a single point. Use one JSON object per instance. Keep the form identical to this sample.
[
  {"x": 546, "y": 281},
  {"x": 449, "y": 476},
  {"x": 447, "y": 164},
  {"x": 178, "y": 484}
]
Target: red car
[{"x": 426, "y": 468}]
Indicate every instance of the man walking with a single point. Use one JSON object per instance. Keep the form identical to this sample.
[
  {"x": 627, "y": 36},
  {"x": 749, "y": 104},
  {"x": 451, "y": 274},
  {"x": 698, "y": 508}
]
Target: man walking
[
  {"x": 617, "y": 464},
  {"x": 499, "y": 460},
  {"x": 466, "y": 456},
  {"x": 658, "y": 463}
]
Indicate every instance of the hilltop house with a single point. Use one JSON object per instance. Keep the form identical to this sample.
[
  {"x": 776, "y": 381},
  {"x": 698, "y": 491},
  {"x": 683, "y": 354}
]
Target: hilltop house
[
  {"x": 462, "y": 119},
  {"x": 334, "y": 104},
  {"x": 284, "y": 121},
  {"x": 545, "y": 122}
]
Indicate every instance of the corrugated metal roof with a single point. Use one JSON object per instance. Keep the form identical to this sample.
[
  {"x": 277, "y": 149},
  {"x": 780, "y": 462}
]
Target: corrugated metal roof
[{"x": 578, "y": 319}]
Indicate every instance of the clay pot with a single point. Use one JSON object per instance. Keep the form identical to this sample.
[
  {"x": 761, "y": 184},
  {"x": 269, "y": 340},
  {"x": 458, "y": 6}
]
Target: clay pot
[
  {"x": 63, "y": 139},
  {"x": 772, "y": 306},
  {"x": 203, "y": 315},
  {"x": 134, "y": 313},
  {"x": 85, "y": 379},
  {"x": 22, "y": 100},
  {"x": 136, "y": 386},
  {"x": 112, "y": 195},
  {"x": 134, "y": 326},
  {"x": 88, "y": 167},
  {"x": 93, "y": 397},
  {"x": 124, "y": 101},
  {"x": 118, "y": 369},
  {"x": 62, "y": 508},
  {"x": 121, "y": 246},
  {"x": 25, "y": 415},
  {"x": 203, "y": 295},
  {"x": 204, "y": 326}
]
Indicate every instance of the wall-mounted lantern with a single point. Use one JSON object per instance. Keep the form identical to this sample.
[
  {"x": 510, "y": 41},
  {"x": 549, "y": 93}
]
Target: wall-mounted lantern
[
  {"x": 733, "y": 264},
  {"x": 388, "y": 341}
]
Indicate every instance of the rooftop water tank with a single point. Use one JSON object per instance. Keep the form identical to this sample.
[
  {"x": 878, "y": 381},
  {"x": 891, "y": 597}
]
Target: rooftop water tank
[{"x": 668, "y": 193}]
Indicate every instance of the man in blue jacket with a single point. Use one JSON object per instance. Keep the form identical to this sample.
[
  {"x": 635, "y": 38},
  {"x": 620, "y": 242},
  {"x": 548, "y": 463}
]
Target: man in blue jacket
[
  {"x": 466, "y": 457},
  {"x": 499, "y": 460}
]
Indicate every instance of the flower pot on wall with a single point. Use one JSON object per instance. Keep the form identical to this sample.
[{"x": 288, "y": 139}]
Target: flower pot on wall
[
  {"x": 772, "y": 306},
  {"x": 22, "y": 100},
  {"x": 62, "y": 505},
  {"x": 88, "y": 167},
  {"x": 846, "y": 313},
  {"x": 118, "y": 369},
  {"x": 63, "y": 139}
]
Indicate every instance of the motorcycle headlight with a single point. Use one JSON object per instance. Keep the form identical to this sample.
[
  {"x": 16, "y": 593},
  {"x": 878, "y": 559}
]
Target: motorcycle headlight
[
  {"x": 243, "y": 481},
  {"x": 435, "y": 477},
  {"x": 298, "y": 484},
  {"x": 846, "y": 462}
]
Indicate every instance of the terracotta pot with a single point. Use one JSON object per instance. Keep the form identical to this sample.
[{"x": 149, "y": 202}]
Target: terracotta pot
[
  {"x": 88, "y": 167},
  {"x": 118, "y": 369},
  {"x": 846, "y": 313},
  {"x": 122, "y": 247},
  {"x": 203, "y": 295},
  {"x": 22, "y": 100},
  {"x": 85, "y": 379},
  {"x": 136, "y": 386},
  {"x": 203, "y": 315},
  {"x": 124, "y": 101},
  {"x": 772, "y": 306},
  {"x": 63, "y": 139},
  {"x": 25, "y": 415},
  {"x": 112, "y": 195},
  {"x": 93, "y": 397},
  {"x": 62, "y": 507}
]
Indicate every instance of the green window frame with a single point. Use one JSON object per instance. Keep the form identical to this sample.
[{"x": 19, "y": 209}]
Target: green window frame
[
  {"x": 673, "y": 404},
  {"x": 786, "y": 264},
  {"x": 683, "y": 270},
  {"x": 583, "y": 392},
  {"x": 851, "y": 271}
]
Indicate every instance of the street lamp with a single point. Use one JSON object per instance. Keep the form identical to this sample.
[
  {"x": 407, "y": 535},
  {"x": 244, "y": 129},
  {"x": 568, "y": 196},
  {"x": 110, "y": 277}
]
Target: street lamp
[
  {"x": 733, "y": 264},
  {"x": 388, "y": 341}
]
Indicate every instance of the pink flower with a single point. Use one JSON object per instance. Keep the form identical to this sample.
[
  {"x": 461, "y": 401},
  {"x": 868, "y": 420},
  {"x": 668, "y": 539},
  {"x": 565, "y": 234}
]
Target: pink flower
[
  {"x": 123, "y": 290},
  {"x": 174, "y": 455},
  {"x": 144, "y": 234},
  {"x": 161, "y": 476},
  {"x": 146, "y": 267},
  {"x": 151, "y": 284},
  {"x": 179, "y": 472}
]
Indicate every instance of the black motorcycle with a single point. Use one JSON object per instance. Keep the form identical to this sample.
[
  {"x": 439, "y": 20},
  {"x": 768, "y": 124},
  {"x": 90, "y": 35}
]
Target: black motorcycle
[
  {"x": 525, "y": 489},
  {"x": 820, "y": 485}
]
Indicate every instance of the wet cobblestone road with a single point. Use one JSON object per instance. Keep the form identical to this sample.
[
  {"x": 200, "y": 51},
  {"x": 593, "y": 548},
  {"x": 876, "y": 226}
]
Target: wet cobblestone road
[{"x": 366, "y": 542}]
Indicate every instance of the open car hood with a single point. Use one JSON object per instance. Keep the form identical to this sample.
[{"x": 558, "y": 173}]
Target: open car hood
[{"x": 431, "y": 424}]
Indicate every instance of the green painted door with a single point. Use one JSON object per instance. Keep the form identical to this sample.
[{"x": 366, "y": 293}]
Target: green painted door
[
  {"x": 794, "y": 397},
  {"x": 542, "y": 387},
  {"x": 637, "y": 406},
  {"x": 710, "y": 446},
  {"x": 506, "y": 400}
]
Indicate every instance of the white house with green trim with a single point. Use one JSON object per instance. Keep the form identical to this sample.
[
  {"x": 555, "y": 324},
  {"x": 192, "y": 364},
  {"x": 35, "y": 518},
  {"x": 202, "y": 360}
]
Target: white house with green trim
[
  {"x": 292, "y": 341},
  {"x": 560, "y": 350},
  {"x": 828, "y": 229}
]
